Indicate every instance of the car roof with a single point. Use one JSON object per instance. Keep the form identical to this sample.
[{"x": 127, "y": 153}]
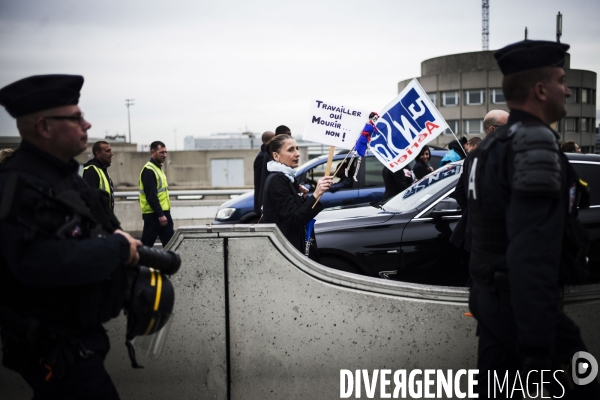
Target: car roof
[{"x": 583, "y": 157}]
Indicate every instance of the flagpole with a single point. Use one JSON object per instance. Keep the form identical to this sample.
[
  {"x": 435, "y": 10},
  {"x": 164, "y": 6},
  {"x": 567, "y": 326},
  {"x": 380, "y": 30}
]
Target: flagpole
[
  {"x": 459, "y": 143},
  {"x": 327, "y": 168}
]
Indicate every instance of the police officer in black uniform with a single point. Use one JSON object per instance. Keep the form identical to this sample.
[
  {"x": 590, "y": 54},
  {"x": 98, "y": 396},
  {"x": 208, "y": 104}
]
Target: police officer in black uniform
[
  {"x": 523, "y": 198},
  {"x": 60, "y": 271}
]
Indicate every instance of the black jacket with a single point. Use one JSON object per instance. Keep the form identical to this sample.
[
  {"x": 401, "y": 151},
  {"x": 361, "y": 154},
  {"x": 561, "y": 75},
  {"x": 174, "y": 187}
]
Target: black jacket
[
  {"x": 460, "y": 234},
  {"x": 517, "y": 220},
  {"x": 258, "y": 165},
  {"x": 37, "y": 267},
  {"x": 420, "y": 169},
  {"x": 291, "y": 213},
  {"x": 264, "y": 174},
  {"x": 394, "y": 182},
  {"x": 149, "y": 182},
  {"x": 93, "y": 180}
]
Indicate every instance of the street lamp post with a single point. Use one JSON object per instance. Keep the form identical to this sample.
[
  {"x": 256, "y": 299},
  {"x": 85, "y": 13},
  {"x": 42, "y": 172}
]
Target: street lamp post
[{"x": 128, "y": 103}]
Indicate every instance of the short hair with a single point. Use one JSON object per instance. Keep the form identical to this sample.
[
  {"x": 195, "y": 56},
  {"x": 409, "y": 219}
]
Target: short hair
[
  {"x": 474, "y": 141},
  {"x": 267, "y": 136},
  {"x": 276, "y": 143},
  {"x": 282, "y": 130},
  {"x": 516, "y": 87},
  {"x": 568, "y": 147},
  {"x": 98, "y": 146},
  {"x": 154, "y": 145},
  {"x": 488, "y": 123},
  {"x": 5, "y": 154}
]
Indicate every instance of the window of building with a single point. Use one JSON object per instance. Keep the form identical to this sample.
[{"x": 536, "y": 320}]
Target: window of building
[
  {"x": 450, "y": 99},
  {"x": 570, "y": 124},
  {"x": 496, "y": 96},
  {"x": 573, "y": 98},
  {"x": 473, "y": 126},
  {"x": 452, "y": 127},
  {"x": 433, "y": 97},
  {"x": 474, "y": 97},
  {"x": 584, "y": 125},
  {"x": 585, "y": 98}
]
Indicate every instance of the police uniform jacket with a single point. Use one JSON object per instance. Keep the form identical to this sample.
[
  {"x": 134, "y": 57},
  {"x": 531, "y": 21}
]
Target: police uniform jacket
[
  {"x": 521, "y": 190},
  {"x": 39, "y": 269}
]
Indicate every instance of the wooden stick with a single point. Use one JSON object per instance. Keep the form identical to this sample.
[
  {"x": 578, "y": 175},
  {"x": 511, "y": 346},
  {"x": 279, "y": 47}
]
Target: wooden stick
[{"x": 327, "y": 167}]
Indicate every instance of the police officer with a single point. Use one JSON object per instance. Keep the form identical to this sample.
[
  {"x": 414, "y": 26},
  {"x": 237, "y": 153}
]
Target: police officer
[
  {"x": 95, "y": 171},
  {"x": 59, "y": 279},
  {"x": 523, "y": 196},
  {"x": 154, "y": 198}
]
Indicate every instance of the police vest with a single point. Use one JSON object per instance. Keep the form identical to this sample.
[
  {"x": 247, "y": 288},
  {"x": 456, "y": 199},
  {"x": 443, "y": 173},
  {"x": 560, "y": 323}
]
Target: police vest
[
  {"x": 162, "y": 188},
  {"x": 104, "y": 184}
]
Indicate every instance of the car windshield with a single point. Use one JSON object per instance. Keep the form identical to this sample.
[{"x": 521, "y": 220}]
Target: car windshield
[{"x": 424, "y": 189}]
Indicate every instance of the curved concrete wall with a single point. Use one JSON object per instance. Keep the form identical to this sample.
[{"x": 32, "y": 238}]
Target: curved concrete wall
[{"x": 257, "y": 320}]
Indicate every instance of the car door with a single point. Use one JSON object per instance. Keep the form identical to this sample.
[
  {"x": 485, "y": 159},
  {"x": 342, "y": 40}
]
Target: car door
[
  {"x": 427, "y": 256},
  {"x": 590, "y": 173}
]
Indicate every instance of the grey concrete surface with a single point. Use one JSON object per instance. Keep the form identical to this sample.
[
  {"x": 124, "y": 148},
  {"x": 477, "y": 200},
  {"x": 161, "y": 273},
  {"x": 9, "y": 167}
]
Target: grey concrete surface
[
  {"x": 257, "y": 320},
  {"x": 183, "y": 212}
]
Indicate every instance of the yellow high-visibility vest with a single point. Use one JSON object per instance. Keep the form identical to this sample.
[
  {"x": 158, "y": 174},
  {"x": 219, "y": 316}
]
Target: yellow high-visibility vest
[
  {"x": 104, "y": 185},
  {"x": 162, "y": 187}
]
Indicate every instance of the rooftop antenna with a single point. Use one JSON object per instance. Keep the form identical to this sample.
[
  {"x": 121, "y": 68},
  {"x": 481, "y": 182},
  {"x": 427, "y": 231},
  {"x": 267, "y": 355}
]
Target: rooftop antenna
[
  {"x": 525, "y": 33},
  {"x": 558, "y": 27},
  {"x": 485, "y": 25}
]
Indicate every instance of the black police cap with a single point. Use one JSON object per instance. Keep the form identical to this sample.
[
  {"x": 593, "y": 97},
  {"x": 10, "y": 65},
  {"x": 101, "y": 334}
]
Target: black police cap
[
  {"x": 530, "y": 54},
  {"x": 40, "y": 92}
]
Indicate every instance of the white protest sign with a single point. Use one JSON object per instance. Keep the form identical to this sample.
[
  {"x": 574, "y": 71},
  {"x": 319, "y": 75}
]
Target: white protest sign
[
  {"x": 405, "y": 125},
  {"x": 334, "y": 124}
]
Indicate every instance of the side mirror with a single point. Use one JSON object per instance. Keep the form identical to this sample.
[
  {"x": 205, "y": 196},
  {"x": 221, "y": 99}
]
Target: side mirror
[{"x": 444, "y": 208}]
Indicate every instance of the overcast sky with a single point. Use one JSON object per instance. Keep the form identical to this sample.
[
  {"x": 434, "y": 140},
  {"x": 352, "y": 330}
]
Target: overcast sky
[{"x": 199, "y": 67}]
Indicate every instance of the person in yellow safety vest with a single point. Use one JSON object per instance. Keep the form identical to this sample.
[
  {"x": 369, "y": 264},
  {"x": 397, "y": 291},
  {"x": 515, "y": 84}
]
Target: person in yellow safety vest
[
  {"x": 154, "y": 198},
  {"x": 95, "y": 170}
]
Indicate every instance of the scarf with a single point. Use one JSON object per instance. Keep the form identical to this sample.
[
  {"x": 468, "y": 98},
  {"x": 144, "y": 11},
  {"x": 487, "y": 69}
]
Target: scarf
[{"x": 274, "y": 166}]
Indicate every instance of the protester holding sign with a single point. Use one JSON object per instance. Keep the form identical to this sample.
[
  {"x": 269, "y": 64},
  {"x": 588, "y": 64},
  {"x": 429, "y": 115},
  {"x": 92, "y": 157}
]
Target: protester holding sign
[{"x": 286, "y": 203}]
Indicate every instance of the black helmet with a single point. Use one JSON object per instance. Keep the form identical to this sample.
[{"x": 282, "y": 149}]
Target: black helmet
[{"x": 151, "y": 303}]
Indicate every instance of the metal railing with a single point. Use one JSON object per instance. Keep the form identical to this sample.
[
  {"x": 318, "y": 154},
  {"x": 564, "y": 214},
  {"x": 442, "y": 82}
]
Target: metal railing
[{"x": 187, "y": 194}]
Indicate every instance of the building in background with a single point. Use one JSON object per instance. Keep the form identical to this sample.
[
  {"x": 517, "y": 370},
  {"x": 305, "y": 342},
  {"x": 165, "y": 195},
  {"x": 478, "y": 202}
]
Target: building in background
[
  {"x": 223, "y": 141},
  {"x": 464, "y": 87}
]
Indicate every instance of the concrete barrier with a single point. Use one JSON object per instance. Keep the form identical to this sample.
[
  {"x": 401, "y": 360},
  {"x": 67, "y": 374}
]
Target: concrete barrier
[
  {"x": 255, "y": 320},
  {"x": 183, "y": 212}
]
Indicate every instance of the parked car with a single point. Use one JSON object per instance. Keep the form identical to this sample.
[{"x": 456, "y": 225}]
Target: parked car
[
  {"x": 369, "y": 188},
  {"x": 409, "y": 233}
]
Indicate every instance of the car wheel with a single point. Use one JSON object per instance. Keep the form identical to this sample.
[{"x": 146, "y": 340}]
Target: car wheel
[{"x": 340, "y": 263}]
